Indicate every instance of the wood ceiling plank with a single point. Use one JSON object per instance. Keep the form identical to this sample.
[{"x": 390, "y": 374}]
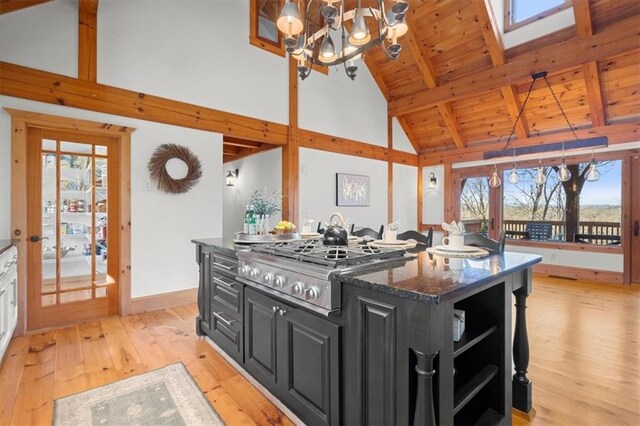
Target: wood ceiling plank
[
  {"x": 28, "y": 83},
  {"x": 8, "y": 6},
  {"x": 430, "y": 78},
  {"x": 616, "y": 133},
  {"x": 584, "y": 29},
  {"x": 618, "y": 39},
  {"x": 243, "y": 143}
]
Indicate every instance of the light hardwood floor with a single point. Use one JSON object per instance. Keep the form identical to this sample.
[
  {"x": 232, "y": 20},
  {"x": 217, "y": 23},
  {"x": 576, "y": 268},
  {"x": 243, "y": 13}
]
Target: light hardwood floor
[{"x": 585, "y": 360}]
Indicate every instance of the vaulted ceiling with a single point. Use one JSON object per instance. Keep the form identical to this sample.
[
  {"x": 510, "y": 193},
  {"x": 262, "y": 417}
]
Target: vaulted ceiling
[{"x": 455, "y": 85}]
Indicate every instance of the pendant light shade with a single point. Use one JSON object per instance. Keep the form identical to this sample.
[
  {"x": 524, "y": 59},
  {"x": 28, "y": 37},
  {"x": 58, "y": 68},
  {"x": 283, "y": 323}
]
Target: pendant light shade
[
  {"x": 327, "y": 50},
  {"x": 494, "y": 179},
  {"x": 396, "y": 27},
  {"x": 540, "y": 176},
  {"x": 360, "y": 33},
  {"x": 593, "y": 174},
  {"x": 563, "y": 172},
  {"x": 514, "y": 177},
  {"x": 289, "y": 21}
]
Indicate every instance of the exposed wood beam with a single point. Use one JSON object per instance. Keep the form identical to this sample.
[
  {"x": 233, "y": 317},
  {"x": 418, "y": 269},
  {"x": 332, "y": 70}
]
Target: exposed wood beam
[
  {"x": 410, "y": 135},
  {"x": 617, "y": 133},
  {"x": 291, "y": 152},
  {"x": 42, "y": 86},
  {"x": 389, "y": 170},
  {"x": 87, "y": 39},
  {"x": 493, "y": 40},
  {"x": 584, "y": 29},
  {"x": 243, "y": 143},
  {"x": 430, "y": 78},
  {"x": 323, "y": 142},
  {"x": 248, "y": 153},
  {"x": 619, "y": 38},
  {"x": 8, "y": 6}
]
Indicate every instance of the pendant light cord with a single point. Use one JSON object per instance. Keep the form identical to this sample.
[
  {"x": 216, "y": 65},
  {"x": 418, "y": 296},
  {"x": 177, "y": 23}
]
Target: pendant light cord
[
  {"x": 555, "y": 98},
  {"x": 524, "y": 104}
]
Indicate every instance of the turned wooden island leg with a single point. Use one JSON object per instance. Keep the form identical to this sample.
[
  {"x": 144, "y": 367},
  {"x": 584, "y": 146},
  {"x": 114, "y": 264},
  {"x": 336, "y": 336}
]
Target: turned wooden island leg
[
  {"x": 521, "y": 384},
  {"x": 425, "y": 413}
]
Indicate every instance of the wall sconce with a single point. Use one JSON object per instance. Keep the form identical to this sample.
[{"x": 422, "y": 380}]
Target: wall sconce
[
  {"x": 433, "y": 181},
  {"x": 232, "y": 176}
]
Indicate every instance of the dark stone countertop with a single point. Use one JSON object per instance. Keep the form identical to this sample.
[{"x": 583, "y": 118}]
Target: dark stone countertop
[
  {"x": 433, "y": 279},
  {"x": 223, "y": 245},
  {"x": 5, "y": 245}
]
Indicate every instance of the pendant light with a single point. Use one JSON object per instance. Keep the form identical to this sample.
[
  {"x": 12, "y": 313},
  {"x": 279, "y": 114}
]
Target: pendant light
[
  {"x": 360, "y": 34},
  {"x": 327, "y": 49},
  {"x": 514, "y": 177},
  {"x": 540, "y": 176},
  {"x": 593, "y": 174},
  {"x": 494, "y": 179},
  {"x": 563, "y": 173}
]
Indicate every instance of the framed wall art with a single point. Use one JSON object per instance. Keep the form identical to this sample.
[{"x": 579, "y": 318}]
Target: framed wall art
[{"x": 352, "y": 190}]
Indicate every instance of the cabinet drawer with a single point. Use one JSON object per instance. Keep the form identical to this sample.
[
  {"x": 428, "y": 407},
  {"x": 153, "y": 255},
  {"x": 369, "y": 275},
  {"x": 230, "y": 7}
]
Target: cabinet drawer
[
  {"x": 224, "y": 265},
  {"x": 226, "y": 294},
  {"x": 226, "y": 332}
]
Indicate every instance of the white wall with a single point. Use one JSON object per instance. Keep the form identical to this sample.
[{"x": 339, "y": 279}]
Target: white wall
[
  {"x": 259, "y": 170},
  {"x": 405, "y": 196},
  {"x": 433, "y": 200},
  {"x": 43, "y": 37},
  {"x": 318, "y": 187},
  {"x": 337, "y": 106},
  {"x": 400, "y": 140},
  {"x": 162, "y": 225}
]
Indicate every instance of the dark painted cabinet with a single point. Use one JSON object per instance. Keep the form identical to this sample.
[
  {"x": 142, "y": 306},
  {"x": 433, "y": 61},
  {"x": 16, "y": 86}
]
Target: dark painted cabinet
[{"x": 295, "y": 355}]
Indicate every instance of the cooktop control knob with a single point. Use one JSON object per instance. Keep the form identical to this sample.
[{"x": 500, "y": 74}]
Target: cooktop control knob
[
  {"x": 297, "y": 288},
  {"x": 312, "y": 293},
  {"x": 254, "y": 273},
  {"x": 280, "y": 280},
  {"x": 242, "y": 271},
  {"x": 267, "y": 278}
]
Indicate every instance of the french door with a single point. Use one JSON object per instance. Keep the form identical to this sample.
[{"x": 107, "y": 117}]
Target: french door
[
  {"x": 73, "y": 222},
  {"x": 477, "y": 203}
]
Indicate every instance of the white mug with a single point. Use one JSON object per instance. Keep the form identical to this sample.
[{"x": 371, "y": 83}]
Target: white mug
[
  {"x": 390, "y": 236},
  {"x": 455, "y": 242}
]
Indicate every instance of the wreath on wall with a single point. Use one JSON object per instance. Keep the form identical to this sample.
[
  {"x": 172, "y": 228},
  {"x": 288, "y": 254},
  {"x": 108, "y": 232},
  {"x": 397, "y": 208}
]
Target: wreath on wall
[{"x": 158, "y": 168}]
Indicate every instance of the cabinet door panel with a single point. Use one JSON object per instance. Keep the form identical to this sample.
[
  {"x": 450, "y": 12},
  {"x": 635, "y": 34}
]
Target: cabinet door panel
[
  {"x": 260, "y": 339},
  {"x": 204, "y": 294},
  {"x": 309, "y": 366}
]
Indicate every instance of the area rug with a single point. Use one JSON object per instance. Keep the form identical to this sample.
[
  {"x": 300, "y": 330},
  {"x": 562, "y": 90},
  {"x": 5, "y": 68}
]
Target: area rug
[{"x": 167, "y": 396}]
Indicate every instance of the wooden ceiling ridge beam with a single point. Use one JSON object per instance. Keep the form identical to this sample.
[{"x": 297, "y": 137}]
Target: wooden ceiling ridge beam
[
  {"x": 584, "y": 29},
  {"x": 616, "y": 133},
  {"x": 616, "y": 39},
  {"x": 493, "y": 40},
  {"x": 8, "y": 6},
  {"x": 28, "y": 83},
  {"x": 430, "y": 77}
]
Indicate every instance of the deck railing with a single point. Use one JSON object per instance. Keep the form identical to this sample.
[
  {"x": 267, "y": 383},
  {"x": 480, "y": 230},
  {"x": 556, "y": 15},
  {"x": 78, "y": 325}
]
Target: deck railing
[{"x": 558, "y": 228}]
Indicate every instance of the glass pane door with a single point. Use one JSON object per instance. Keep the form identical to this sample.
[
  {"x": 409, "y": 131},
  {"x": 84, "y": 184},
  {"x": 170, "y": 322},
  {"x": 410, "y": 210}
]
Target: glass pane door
[
  {"x": 74, "y": 222},
  {"x": 474, "y": 204}
]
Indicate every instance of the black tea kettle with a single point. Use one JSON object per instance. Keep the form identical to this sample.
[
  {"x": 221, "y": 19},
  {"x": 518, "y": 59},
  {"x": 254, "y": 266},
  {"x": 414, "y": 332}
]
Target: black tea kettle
[{"x": 335, "y": 235}]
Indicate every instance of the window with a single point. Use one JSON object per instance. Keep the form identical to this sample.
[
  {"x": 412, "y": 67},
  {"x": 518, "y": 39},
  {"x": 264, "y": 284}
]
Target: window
[
  {"x": 522, "y": 12},
  {"x": 474, "y": 203},
  {"x": 574, "y": 211},
  {"x": 263, "y": 31}
]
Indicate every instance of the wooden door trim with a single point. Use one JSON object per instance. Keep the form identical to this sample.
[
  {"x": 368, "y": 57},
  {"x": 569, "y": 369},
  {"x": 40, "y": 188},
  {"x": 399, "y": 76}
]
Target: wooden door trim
[{"x": 20, "y": 121}]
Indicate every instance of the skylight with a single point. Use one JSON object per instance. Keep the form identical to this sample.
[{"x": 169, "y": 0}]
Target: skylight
[{"x": 524, "y": 9}]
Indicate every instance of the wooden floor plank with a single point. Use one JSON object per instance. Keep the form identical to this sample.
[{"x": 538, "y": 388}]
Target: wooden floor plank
[
  {"x": 585, "y": 360},
  {"x": 11, "y": 375}
]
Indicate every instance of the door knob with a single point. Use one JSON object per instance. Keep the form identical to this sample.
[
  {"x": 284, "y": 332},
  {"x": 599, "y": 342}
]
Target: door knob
[{"x": 34, "y": 238}]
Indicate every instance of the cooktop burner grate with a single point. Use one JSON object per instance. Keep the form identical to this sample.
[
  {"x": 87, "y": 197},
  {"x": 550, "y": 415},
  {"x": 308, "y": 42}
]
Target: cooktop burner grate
[{"x": 330, "y": 256}]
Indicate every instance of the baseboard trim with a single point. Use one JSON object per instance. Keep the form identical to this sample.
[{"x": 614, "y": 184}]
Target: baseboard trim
[
  {"x": 521, "y": 414},
  {"x": 163, "y": 300},
  {"x": 562, "y": 271}
]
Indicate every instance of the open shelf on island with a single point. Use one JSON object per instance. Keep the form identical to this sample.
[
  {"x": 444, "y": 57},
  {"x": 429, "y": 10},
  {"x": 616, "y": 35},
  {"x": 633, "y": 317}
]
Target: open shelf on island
[
  {"x": 489, "y": 418},
  {"x": 470, "y": 338},
  {"x": 473, "y": 386}
]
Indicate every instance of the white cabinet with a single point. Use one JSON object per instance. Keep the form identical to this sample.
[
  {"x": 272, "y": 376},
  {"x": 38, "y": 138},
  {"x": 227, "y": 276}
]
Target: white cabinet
[{"x": 8, "y": 297}]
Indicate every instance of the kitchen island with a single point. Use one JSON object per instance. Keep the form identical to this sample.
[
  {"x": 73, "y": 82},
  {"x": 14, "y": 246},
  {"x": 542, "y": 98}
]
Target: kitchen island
[{"x": 387, "y": 355}]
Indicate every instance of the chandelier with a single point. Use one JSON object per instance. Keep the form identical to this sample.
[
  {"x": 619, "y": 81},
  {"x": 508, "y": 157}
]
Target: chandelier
[{"x": 312, "y": 41}]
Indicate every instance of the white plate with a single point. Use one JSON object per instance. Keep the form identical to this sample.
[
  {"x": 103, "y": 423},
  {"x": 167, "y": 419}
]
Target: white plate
[
  {"x": 311, "y": 235},
  {"x": 391, "y": 243},
  {"x": 463, "y": 249}
]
